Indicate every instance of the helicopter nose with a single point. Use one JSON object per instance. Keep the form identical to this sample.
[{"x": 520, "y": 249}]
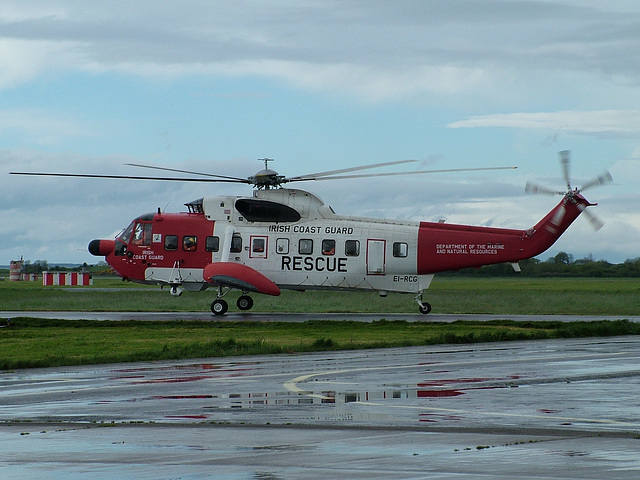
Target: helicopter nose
[{"x": 101, "y": 248}]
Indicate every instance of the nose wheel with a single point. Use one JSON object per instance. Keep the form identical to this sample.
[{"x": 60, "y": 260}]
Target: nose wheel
[{"x": 424, "y": 307}]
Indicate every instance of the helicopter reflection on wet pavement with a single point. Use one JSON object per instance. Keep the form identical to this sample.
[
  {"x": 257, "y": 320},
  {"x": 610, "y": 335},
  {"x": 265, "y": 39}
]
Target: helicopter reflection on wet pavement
[{"x": 580, "y": 394}]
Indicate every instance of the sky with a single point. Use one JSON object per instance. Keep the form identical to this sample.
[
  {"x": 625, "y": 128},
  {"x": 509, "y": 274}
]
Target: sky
[{"x": 87, "y": 87}]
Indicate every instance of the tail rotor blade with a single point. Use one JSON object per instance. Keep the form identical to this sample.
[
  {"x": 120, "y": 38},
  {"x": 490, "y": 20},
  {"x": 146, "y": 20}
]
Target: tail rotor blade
[
  {"x": 534, "y": 188},
  {"x": 603, "y": 179},
  {"x": 596, "y": 223}
]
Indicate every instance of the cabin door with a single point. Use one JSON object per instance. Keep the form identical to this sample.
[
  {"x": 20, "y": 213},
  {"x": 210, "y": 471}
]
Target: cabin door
[{"x": 375, "y": 257}]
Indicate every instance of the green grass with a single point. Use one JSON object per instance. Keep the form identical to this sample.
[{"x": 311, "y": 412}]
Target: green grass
[
  {"x": 44, "y": 343},
  {"x": 509, "y": 295},
  {"x": 41, "y": 343}
]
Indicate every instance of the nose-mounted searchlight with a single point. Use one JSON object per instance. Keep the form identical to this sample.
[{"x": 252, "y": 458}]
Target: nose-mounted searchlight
[{"x": 101, "y": 248}]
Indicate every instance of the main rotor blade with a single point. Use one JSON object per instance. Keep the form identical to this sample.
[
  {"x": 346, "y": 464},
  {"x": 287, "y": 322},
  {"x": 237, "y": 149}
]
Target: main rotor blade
[
  {"x": 602, "y": 179},
  {"x": 415, "y": 172},
  {"x": 313, "y": 176},
  {"x": 534, "y": 188},
  {"x": 132, "y": 177},
  {"x": 564, "y": 161},
  {"x": 183, "y": 171}
]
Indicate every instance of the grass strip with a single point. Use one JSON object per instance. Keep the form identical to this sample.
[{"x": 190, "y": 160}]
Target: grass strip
[
  {"x": 32, "y": 343},
  {"x": 502, "y": 296}
]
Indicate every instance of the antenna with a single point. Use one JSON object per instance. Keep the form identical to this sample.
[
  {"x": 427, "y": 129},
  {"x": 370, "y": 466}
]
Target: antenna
[{"x": 266, "y": 160}]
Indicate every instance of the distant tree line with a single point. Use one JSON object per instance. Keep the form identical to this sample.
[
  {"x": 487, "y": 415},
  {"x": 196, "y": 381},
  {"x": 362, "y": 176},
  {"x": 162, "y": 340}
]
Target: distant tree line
[
  {"x": 562, "y": 265},
  {"x": 40, "y": 266}
]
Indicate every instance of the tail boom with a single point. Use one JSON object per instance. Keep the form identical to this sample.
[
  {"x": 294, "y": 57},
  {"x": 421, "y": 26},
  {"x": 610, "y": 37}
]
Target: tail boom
[{"x": 443, "y": 247}]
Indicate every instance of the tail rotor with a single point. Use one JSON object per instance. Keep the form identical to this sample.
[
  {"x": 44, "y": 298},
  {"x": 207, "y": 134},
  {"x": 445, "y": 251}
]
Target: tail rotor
[{"x": 572, "y": 194}]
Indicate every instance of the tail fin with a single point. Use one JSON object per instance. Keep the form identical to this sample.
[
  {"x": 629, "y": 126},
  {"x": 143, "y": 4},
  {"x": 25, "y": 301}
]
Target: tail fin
[{"x": 547, "y": 231}]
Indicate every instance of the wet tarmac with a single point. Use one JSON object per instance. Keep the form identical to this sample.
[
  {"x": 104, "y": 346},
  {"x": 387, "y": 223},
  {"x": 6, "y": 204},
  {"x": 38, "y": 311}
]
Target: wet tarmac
[
  {"x": 301, "y": 317},
  {"x": 546, "y": 409}
]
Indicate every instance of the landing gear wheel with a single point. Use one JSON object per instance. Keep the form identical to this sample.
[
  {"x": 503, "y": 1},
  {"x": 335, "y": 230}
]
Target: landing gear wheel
[
  {"x": 425, "y": 308},
  {"x": 219, "y": 307},
  {"x": 245, "y": 302}
]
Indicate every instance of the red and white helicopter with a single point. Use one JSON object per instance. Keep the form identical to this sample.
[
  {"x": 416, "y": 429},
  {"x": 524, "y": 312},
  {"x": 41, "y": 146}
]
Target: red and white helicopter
[{"x": 282, "y": 238}]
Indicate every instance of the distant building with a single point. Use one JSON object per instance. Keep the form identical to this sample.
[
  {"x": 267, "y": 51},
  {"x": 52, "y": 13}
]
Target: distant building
[
  {"x": 17, "y": 273},
  {"x": 15, "y": 270},
  {"x": 68, "y": 278}
]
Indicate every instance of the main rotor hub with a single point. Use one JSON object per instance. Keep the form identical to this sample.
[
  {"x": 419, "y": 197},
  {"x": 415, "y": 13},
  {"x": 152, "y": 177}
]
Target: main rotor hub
[{"x": 266, "y": 178}]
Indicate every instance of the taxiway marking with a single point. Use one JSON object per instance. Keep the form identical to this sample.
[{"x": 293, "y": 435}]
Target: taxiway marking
[{"x": 292, "y": 386}]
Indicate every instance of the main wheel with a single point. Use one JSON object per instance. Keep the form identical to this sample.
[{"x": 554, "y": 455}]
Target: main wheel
[
  {"x": 245, "y": 302},
  {"x": 219, "y": 307},
  {"x": 425, "y": 308}
]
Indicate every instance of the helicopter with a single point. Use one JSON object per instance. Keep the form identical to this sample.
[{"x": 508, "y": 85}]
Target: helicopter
[{"x": 286, "y": 238}]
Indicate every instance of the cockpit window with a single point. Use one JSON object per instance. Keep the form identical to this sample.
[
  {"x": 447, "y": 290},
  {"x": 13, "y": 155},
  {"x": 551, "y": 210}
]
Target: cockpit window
[
  {"x": 142, "y": 234},
  {"x": 126, "y": 235},
  {"x": 138, "y": 233}
]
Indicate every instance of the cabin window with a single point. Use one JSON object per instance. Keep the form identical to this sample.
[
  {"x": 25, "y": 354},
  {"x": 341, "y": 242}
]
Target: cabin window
[
  {"x": 305, "y": 246},
  {"x": 189, "y": 243},
  {"x": 282, "y": 246},
  {"x": 236, "y": 244},
  {"x": 255, "y": 210},
  {"x": 328, "y": 247},
  {"x": 400, "y": 249},
  {"x": 212, "y": 244},
  {"x": 259, "y": 247},
  {"x": 352, "y": 248},
  {"x": 171, "y": 243}
]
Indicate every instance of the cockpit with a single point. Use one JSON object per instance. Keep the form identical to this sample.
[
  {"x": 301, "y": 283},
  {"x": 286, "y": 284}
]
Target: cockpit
[{"x": 139, "y": 232}]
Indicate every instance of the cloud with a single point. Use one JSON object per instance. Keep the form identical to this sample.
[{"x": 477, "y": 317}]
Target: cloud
[
  {"x": 373, "y": 50},
  {"x": 617, "y": 123},
  {"x": 368, "y": 82},
  {"x": 405, "y": 68},
  {"x": 23, "y": 60},
  {"x": 42, "y": 126}
]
